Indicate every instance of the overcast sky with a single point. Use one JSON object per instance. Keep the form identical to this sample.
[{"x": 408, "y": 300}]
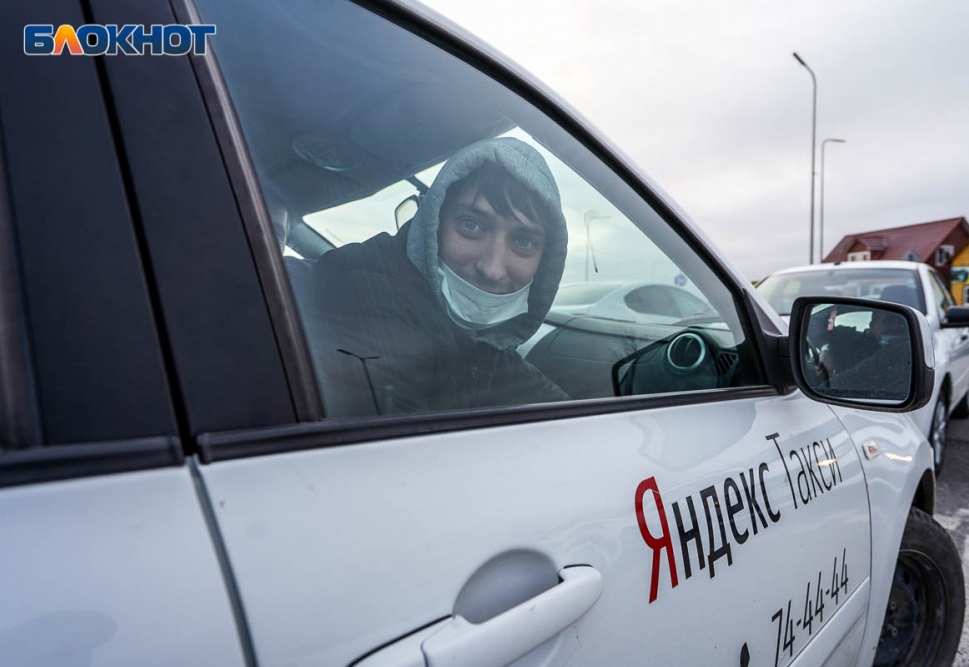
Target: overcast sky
[{"x": 706, "y": 97}]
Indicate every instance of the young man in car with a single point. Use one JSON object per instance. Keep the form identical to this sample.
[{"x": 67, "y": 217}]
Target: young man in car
[{"x": 429, "y": 319}]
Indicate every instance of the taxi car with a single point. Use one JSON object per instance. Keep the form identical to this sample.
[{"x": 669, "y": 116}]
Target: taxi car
[
  {"x": 915, "y": 284},
  {"x": 182, "y": 483}
]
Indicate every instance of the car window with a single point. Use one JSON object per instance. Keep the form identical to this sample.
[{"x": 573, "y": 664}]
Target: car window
[
  {"x": 688, "y": 305},
  {"x": 582, "y": 294},
  {"x": 942, "y": 297},
  {"x": 652, "y": 300},
  {"x": 456, "y": 307}
]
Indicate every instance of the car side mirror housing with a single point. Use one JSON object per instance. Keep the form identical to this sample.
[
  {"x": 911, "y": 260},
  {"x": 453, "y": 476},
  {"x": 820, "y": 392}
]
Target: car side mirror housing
[
  {"x": 956, "y": 316},
  {"x": 861, "y": 353}
]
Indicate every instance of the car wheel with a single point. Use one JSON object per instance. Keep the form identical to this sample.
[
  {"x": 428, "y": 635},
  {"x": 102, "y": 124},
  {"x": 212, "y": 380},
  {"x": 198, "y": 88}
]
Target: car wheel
[
  {"x": 923, "y": 620},
  {"x": 938, "y": 431},
  {"x": 961, "y": 411}
]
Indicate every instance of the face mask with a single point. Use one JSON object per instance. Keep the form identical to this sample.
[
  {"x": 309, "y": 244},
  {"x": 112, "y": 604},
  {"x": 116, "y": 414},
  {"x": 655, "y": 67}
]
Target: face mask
[{"x": 473, "y": 308}]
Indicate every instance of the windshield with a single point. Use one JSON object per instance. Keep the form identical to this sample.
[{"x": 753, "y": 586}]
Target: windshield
[{"x": 896, "y": 285}]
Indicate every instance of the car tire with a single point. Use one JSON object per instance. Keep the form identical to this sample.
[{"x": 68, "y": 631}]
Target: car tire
[
  {"x": 961, "y": 411},
  {"x": 938, "y": 432},
  {"x": 927, "y": 603}
]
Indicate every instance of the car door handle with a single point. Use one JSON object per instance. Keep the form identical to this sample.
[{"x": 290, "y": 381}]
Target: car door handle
[{"x": 511, "y": 634}]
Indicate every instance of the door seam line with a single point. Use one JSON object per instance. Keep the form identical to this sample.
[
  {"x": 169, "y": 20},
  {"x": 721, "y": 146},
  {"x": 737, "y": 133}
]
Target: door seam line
[{"x": 225, "y": 565}]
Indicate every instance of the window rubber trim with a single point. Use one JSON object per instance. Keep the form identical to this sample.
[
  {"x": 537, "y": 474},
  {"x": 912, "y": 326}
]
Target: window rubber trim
[
  {"x": 214, "y": 447},
  {"x": 270, "y": 269},
  {"x": 71, "y": 461}
]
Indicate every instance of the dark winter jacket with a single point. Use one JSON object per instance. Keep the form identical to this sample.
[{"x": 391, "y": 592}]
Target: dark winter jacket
[{"x": 379, "y": 333}]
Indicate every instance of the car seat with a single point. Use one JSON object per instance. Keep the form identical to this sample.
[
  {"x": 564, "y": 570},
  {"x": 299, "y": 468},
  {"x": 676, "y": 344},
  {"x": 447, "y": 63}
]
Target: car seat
[{"x": 903, "y": 294}]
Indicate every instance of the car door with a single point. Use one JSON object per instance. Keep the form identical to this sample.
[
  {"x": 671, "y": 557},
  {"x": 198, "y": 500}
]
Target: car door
[
  {"x": 715, "y": 521},
  {"x": 952, "y": 344},
  {"x": 106, "y": 556}
]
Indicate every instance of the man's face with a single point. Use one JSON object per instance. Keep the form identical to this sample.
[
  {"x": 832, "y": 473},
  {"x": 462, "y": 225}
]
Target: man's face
[{"x": 494, "y": 253}]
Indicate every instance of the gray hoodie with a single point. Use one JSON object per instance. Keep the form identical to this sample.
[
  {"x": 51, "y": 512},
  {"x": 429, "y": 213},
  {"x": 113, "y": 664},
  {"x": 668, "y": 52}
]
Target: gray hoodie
[{"x": 529, "y": 168}]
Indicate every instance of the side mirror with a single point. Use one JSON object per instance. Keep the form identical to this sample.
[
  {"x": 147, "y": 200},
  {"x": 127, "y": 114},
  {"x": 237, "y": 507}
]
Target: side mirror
[
  {"x": 861, "y": 353},
  {"x": 956, "y": 316}
]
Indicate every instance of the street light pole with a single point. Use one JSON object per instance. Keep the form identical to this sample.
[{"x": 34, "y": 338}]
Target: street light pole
[
  {"x": 814, "y": 126},
  {"x": 821, "y": 204},
  {"x": 588, "y": 217}
]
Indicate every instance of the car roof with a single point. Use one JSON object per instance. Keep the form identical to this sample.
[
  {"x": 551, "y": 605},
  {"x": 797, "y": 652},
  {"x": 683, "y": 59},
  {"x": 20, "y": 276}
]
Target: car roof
[{"x": 851, "y": 266}]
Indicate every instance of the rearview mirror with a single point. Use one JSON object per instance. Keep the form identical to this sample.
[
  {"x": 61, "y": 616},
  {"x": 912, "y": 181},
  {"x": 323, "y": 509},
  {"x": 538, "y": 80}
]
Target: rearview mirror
[
  {"x": 406, "y": 210},
  {"x": 861, "y": 353}
]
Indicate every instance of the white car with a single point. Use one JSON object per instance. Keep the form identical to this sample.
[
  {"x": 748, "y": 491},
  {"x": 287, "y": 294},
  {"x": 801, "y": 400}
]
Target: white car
[
  {"x": 647, "y": 302},
  {"x": 911, "y": 283},
  {"x": 185, "y": 480}
]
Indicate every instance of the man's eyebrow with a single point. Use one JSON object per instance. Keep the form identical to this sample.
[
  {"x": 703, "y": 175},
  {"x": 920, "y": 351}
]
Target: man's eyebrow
[
  {"x": 530, "y": 226},
  {"x": 472, "y": 208},
  {"x": 521, "y": 222}
]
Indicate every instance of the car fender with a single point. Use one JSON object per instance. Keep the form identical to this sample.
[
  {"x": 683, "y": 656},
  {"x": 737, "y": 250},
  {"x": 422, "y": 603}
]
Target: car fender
[{"x": 897, "y": 461}]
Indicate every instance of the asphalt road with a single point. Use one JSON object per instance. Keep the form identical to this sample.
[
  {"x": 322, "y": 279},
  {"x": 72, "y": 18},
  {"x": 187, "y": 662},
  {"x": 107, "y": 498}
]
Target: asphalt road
[{"x": 952, "y": 508}]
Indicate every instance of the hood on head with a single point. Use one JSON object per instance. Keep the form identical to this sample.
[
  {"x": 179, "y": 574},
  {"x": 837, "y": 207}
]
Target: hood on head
[{"x": 529, "y": 168}]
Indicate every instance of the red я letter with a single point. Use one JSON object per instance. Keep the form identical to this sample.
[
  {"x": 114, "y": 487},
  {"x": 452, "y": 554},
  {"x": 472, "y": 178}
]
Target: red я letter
[{"x": 656, "y": 544}]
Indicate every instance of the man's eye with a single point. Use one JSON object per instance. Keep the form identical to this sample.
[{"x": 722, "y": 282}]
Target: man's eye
[{"x": 470, "y": 224}]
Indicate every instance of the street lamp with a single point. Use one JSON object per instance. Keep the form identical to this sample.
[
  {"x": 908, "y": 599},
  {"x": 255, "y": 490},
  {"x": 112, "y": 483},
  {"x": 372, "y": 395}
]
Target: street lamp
[
  {"x": 821, "y": 205},
  {"x": 588, "y": 217},
  {"x": 814, "y": 125}
]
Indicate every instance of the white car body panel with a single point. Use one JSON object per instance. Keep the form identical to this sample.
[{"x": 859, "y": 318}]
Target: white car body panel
[
  {"x": 130, "y": 575},
  {"x": 339, "y": 551},
  {"x": 892, "y": 477}
]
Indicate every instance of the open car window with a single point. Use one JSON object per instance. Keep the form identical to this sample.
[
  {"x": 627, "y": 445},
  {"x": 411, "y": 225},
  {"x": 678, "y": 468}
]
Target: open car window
[{"x": 385, "y": 333}]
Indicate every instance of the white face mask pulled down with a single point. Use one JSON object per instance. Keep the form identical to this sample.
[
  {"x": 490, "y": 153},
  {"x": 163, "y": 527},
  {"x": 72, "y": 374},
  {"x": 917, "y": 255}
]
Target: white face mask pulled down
[{"x": 473, "y": 308}]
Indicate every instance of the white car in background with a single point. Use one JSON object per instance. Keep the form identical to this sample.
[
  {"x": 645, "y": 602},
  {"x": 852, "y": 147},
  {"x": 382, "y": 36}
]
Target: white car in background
[
  {"x": 910, "y": 283},
  {"x": 631, "y": 302}
]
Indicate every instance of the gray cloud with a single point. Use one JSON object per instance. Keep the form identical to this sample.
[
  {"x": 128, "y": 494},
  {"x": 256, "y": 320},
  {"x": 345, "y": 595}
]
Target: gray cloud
[{"x": 705, "y": 96}]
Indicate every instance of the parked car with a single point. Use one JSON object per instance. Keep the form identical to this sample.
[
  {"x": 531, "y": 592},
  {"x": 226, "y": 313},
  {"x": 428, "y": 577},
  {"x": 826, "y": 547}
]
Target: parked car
[
  {"x": 184, "y": 483},
  {"x": 910, "y": 283},
  {"x": 630, "y": 302}
]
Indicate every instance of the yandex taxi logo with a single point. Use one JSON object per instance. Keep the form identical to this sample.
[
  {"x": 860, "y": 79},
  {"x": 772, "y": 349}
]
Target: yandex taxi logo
[{"x": 95, "y": 39}]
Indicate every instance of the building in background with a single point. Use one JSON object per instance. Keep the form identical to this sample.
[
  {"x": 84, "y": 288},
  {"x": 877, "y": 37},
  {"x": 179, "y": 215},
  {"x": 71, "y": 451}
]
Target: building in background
[{"x": 943, "y": 244}]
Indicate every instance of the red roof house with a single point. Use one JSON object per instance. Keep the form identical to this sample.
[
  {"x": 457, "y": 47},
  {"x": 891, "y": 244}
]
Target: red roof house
[{"x": 934, "y": 243}]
